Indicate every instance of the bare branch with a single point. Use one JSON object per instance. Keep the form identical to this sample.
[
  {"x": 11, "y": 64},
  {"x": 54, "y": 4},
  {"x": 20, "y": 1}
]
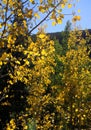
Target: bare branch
[
  {"x": 2, "y": 76},
  {"x": 3, "y": 97},
  {"x": 25, "y": 2},
  {"x": 44, "y": 18}
]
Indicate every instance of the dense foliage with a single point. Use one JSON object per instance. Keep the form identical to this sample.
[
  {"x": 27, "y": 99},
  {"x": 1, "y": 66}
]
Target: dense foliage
[{"x": 43, "y": 85}]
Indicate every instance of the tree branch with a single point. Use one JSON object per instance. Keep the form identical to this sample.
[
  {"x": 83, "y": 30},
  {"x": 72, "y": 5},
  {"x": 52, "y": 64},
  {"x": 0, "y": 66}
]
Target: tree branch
[
  {"x": 44, "y": 18},
  {"x": 2, "y": 76},
  {"x": 3, "y": 97},
  {"x": 25, "y": 2}
]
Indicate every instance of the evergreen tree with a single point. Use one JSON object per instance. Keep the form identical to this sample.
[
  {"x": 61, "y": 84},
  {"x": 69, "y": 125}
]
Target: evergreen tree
[{"x": 65, "y": 36}]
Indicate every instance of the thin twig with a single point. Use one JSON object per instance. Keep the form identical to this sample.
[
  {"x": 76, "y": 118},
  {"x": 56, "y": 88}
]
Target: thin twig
[
  {"x": 25, "y": 2},
  {"x": 44, "y": 18},
  {"x": 3, "y": 97},
  {"x": 2, "y": 76}
]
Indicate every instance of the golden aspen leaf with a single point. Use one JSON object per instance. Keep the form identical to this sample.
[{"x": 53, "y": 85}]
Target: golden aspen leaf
[
  {"x": 75, "y": 18},
  {"x": 2, "y": 44},
  {"x": 84, "y": 115},
  {"x": 0, "y": 25},
  {"x": 82, "y": 118},
  {"x": 24, "y": 22},
  {"x": 10, "y": 82},
  {"x": 79, "y": 10},
  {"x": 15, "y": 24},
  {"x": 36, "y": 15},
  {"x": 78, "y": 18},
  {"x": 41, "y": 1},
  {"x": 19, "y": 14},
  {"x": 43, "y": 52},
  {"x": 53, "y": 16},
  {"x": 4, "y": 56},
  {"x": 27, "y": 62},
  {"x": 59, "y": 11},
  {"x": 53, "y": 23},
  {"x": 18, "y": 62},
  {"x": 25, "y": 127},
  {"x": 41, "y": 36},
  {"x": 6, "y": 96},
  {"x": 10, "y": 39},
  {"x": 1, "y": 63},
  {"x": 11, "y": 76},
  {"x": 62, "y": 5},
  {"x": 18, "y": 73},
  {"x": 73, "y": 106},
  {"x": 69, "y": 5},
  {"x": 42, "y": 9},
  {"x": 4, "y": 2},
  {"x": 32, "y": 1},
  {"x": 76, "y": 110},
  {"x": 30, "y": 12},
  {"x": 59, "y": 21},
  {"x": 42, "y": 57},
  {"x": 65, "y": 1},
  {"x": 76, "y": 95}
]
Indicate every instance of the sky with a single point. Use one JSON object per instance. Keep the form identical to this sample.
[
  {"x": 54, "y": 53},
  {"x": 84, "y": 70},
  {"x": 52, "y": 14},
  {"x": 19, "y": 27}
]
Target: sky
[{"x": 85, "y": 13}]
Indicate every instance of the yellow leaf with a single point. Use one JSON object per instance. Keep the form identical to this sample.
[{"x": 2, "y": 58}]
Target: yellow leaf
[
  {"x": 36, "y": 15},
  {"x": 62, "y": 5},
  {"x": 79, "y": 10},
  {"x": 27, "y": 62},
  {"x": 19, "y": 14},
  {"x": 42, "y": 9},
  {"x": 53, "y": 23},
  {"x": 78, "y": 18},
  {"x": 59, "y": 21},
  {"x": 6, "y": 96},
  {"x": 41, "y": 1},
  {"x": 0, "y": 25},
  {"x": 43, "y": 52},
  {"x": 82, "y": 118},
  {"x": 0, "y": 62},
  {"x": 10, "y": 82},
  {"x": 18, "y": 73},
  {"x": 59, "y": 11},
  {"x": 69, "y": 5},
  {"x": 18, "y": 62},
  {"x": 1, "y": 44},
  {"x": 84, "y": 115},
  {"x": 30, "y": 12},
  {"x": 73, "y": 106},
  {"x": 76, "y": 110},
  {"x": 10, "y": 39},
  {"x": 32, "y": 1},
  {"x": 65, "y": 1},
  {"x": 75, "y": 18},
  {"x": 25, "y": 127},
  {"x": 41, "y": 36},
  {"x": 24, "y": 22}
]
